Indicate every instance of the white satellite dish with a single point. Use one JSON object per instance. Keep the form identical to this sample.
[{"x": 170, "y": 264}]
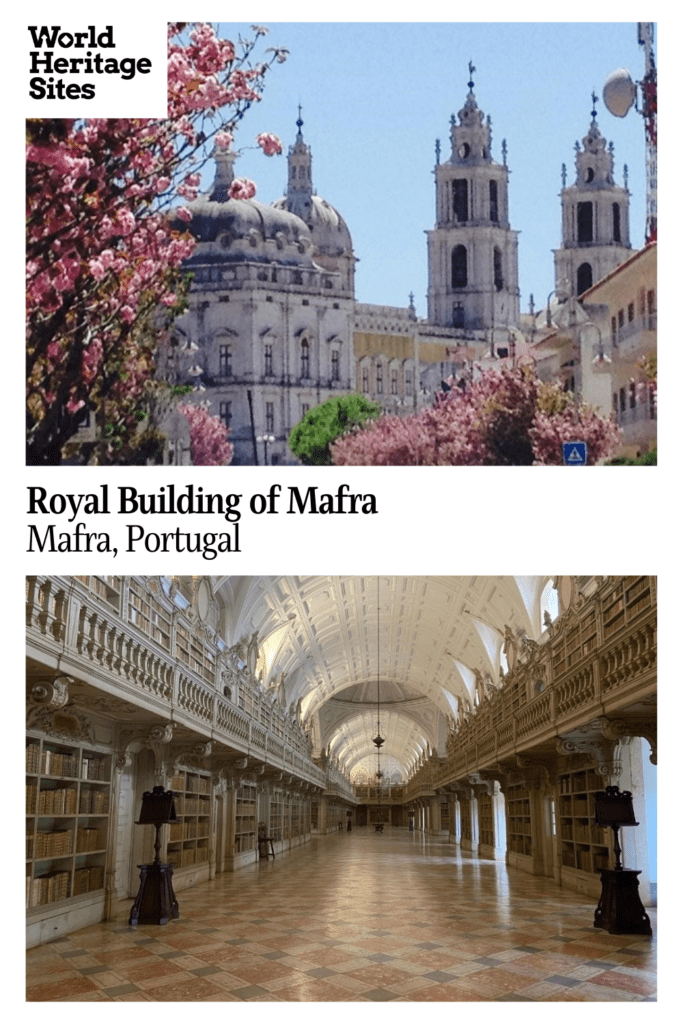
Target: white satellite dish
[{"x": 619, "y": 92}]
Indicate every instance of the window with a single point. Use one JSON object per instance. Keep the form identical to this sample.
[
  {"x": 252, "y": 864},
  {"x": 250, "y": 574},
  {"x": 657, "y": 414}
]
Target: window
[
  {"x": 379, "y": 370},
  {"x": 270, "y": 417},
  {"x": 225, "y": 413},
  {"x": 497, "y": 269},
  {"x": 631, "y": 312},
  {"x": 651, "y": 302},
  {"x": 365, "y": 377},
  {"x": 409, "y": 381},
  {"x": 394, "y": 382},
  {"x": 584, "y": 222},
  {"x": 460, "y": 199},
  {"x": 268, "y": 360},
  {"x": 458, "y": 316},
  {"x": 225, "y": 361},
  {"x": 305, "y": 359},
  {"x": 616, "y": 224},
  {"x": 584, "y": 278},
  {"x": 335, "y": 363},
  {"x": 622, "y": 399},
  {"x": 620, "y": 318},
  {"x": 632, "y": 395},
  {"x": 493, "y": 200},
  {"x": 459, "y": 267},
  {"x": 614, "y": 330}
]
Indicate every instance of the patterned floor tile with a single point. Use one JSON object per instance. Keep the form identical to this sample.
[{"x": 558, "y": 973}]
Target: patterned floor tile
[{"x": 344, "y": 919}]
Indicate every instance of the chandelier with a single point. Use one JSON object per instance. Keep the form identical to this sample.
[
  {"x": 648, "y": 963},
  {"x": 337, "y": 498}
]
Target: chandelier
[{"x": 378, "y": 740}]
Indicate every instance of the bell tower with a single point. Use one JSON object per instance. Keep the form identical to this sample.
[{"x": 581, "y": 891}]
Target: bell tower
[
  {"x": 595, "y": 216},
  {"x": 472, "y": 251}
]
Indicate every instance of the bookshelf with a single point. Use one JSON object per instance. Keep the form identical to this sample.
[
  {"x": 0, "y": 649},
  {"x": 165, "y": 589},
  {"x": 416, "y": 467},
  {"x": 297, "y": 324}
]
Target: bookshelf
[
  {"x": 189, "y": 837},
  {"x": 486, "y": 837},
  {"x": 245, "y": 818},
  {"x": 465, "y": 819},
  {"x": 276, "y": 809},
  {"x": 149, "y": 615},
  {"x": 583, "y": 845},
  {"x": 108, "y": 588},
  {"x": 68, "y": 800},
  {"x": 519, "y": 820}
]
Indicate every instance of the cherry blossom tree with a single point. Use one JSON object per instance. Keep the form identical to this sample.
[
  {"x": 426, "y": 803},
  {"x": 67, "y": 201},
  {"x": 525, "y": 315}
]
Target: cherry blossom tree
[
  {"x": 507, "y": 417},
  {"x": 209, "y": 444},
  {"x": 104, "y": 276}
]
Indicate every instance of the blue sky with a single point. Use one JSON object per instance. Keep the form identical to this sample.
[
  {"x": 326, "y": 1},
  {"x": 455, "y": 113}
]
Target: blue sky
[{"x": 376, "y": 96}]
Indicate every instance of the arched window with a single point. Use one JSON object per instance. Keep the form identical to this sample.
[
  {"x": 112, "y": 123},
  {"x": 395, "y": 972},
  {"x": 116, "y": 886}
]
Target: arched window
[
  {"x": 584, "y": 278},
  {"x": 493, "y": 200},
  {"x": 379, "y": 370},
  {"x": 497, "y": 268},
  {"x": 365, "y": 374},
  {"x": 616, "y": 223},
  {"x": 305, "y": 359},
  {"x": 584, "y": 222},
  {"x": 459, "y": 267},
  {"x": 334, "y": 356},
  {"x": 460, "y": 199},
  {"x": 268, "y": 360}
]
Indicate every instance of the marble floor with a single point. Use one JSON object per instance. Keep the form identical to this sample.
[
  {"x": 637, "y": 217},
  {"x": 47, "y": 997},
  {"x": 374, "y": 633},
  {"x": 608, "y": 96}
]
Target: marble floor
[{"x": 359, "y": 917}]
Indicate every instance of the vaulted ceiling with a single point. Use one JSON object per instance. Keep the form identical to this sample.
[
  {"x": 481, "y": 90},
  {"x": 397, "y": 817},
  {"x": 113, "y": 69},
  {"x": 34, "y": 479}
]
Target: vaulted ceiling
[{"x": 337, "y": 642}]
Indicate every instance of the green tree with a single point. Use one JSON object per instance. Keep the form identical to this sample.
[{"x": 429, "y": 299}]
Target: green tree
[{"x": 310, "y": 439}]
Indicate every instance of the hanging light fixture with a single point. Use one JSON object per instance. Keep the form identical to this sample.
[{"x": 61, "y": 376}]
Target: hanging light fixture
[{"x": 378, "y": 740}]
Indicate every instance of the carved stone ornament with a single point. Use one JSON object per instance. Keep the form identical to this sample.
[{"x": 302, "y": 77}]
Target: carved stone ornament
[
  {"x": 50, "y": 693},
  {"x": 123, "y": 760},
  {"x": 600, "y": 751},
  {"x": 63, "y": 724},
  {"x": 160, "y": 734}
]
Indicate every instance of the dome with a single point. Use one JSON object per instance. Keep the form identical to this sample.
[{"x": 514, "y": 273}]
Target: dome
[
  {"x": 245, "y": 225},
  {"x": 231, "y": 230},
  {"x": 328, "y": 229}
]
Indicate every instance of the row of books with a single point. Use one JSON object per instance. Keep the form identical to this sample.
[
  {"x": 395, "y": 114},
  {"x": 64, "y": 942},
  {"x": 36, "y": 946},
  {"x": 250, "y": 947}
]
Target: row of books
[
  {"x": 93, "y": 768},
  {"x": 183, "y": 858},
  {"x": 88, "y": 879},
  {"x": 190, "y": 805},
  {"x": 190, "y": 784},
  {"x": 65, "y": 801},
  {"x": 93, "y": 801},
  {"x": 47, "y": 888},
  {"x": 188, "y": 830},
  {"x": 87, "y": 840},
  {"x": 58, "y": 843},
  {"x": 56, "y": 763}
]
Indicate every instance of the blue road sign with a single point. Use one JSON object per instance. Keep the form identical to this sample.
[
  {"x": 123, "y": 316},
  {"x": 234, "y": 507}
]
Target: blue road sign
[{"x": 575, "y": 453}]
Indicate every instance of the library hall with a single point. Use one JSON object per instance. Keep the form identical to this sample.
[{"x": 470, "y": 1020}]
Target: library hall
[{"x": 341, "y": 788}]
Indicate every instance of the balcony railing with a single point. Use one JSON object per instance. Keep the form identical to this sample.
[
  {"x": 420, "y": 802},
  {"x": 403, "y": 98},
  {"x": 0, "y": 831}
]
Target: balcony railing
[{"x": 95, "y": 639}]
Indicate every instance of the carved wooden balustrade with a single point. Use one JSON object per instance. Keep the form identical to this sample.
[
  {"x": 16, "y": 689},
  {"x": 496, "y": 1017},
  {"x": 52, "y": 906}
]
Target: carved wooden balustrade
[
  {"x": 585, "y": 676},
  {"x": 94, "y": 640}
]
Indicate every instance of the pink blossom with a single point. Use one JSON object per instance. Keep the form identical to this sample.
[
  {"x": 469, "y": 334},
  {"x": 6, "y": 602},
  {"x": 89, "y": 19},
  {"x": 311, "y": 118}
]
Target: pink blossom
[
  {"x": 242, "y": 188},
  {"x": 269, "y": 143},
  {"x": 169, "y": 299},
  {"x": 223, "y": 140},
  {"x": 184, "y": 214}
]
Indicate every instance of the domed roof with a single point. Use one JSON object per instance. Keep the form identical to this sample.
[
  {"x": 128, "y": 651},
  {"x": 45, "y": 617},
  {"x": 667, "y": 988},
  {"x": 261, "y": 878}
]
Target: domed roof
[
  {"x": 244, "y": 229},
  {"x": 237, "y": 218},
  {"x": 328, "y": 229}
]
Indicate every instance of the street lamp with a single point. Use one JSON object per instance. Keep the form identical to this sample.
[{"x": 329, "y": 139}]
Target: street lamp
[
  {"x": 561, "y": 294},
  {"x": 267, "y": 439}
]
